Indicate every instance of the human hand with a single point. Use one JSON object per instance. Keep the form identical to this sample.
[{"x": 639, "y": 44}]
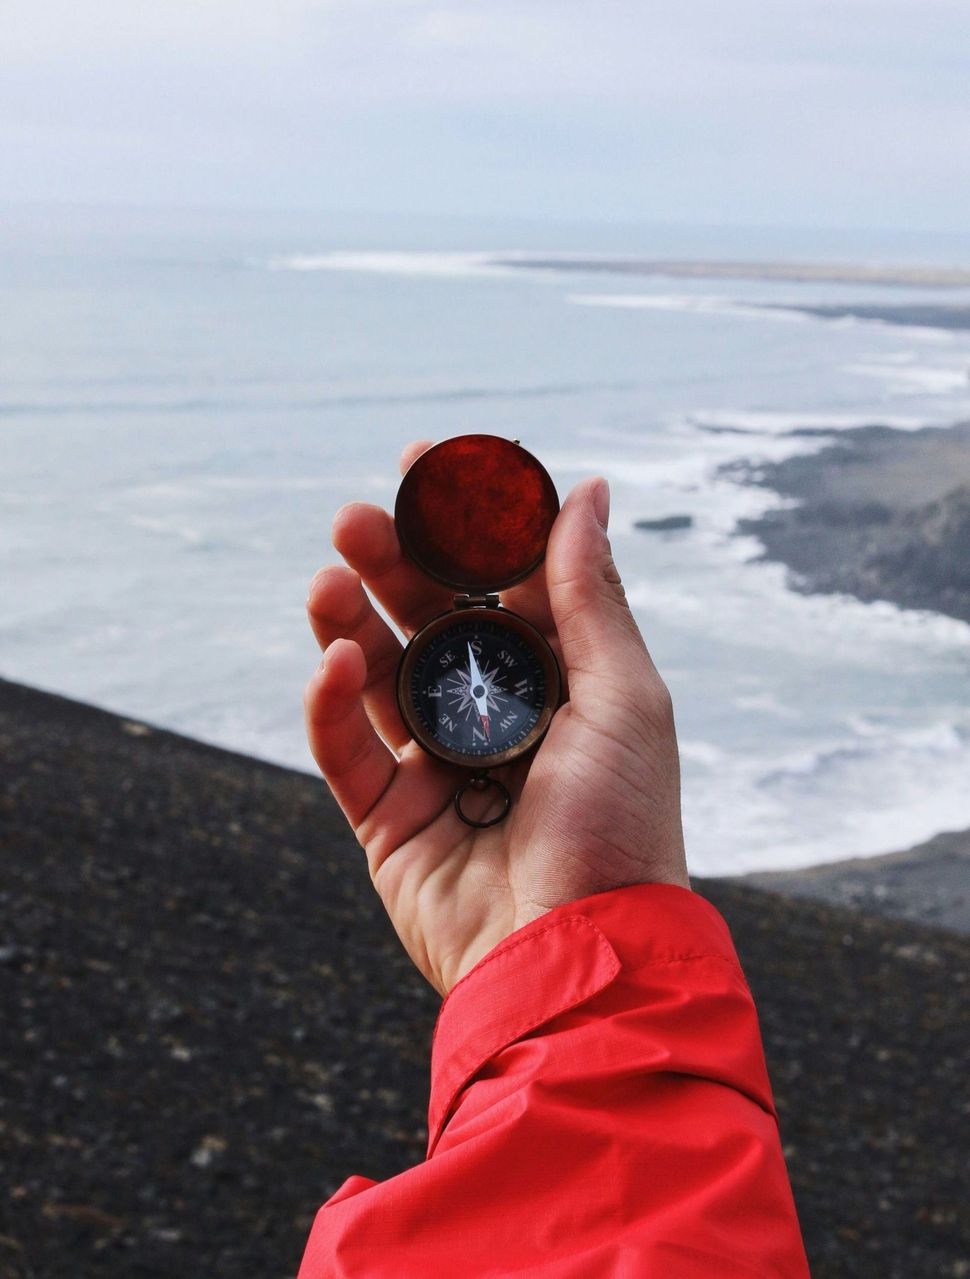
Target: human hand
[{"x": 596, "y": 807}]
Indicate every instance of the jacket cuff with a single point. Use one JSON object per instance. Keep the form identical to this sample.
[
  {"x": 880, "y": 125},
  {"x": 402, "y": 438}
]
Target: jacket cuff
[{"x": 558, "y": 962}]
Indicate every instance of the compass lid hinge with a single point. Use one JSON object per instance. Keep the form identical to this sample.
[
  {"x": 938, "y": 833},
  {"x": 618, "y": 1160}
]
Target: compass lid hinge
[{"x": 476, "y": 601}]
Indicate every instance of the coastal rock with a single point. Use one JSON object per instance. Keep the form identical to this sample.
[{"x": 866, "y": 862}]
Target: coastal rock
[
  {"x": 929, "y": 316},
  {"x": 930, "y": 548},
  {"x": 667, "y": 524},
  {"x": 882, "y": 514}
]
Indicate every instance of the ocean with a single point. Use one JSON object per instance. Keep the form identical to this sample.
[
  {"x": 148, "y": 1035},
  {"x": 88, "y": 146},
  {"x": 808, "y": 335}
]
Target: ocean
[{"x": 187, "y": 399}]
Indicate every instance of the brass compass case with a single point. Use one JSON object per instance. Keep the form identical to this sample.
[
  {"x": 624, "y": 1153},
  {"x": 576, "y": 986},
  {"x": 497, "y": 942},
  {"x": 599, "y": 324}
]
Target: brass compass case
[
  {"x": 509, "y": 622},
  {"x": 478, "y": 685}
]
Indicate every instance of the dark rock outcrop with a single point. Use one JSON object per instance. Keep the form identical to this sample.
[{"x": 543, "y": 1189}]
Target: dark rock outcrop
[
  {"x": 668, "y": 524},
  {"x": 882, "y": 514}
]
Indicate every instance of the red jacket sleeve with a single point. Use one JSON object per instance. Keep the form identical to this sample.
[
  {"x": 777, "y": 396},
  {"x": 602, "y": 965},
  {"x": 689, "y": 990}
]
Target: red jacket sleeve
[{"x": 600, "y": 1109}]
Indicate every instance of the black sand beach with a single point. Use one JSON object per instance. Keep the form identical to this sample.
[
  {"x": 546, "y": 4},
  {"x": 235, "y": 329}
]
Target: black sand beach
[{"x": 209, "y": 1023}]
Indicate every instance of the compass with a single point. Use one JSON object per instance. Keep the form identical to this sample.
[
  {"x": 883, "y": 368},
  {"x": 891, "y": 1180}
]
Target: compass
[{"x": 478, "y": 685}]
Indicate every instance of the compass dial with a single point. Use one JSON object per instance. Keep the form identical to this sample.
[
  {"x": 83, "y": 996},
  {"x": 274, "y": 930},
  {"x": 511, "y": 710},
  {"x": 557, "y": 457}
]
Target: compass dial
[{"x": 477, "y": 686}]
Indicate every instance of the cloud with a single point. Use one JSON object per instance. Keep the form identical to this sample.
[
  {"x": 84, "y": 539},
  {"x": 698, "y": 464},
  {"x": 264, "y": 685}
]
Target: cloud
[{"x": 752, "y": 109}]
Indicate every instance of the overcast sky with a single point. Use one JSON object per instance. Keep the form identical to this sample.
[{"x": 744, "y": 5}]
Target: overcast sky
[{"x": 769, "y": 112}]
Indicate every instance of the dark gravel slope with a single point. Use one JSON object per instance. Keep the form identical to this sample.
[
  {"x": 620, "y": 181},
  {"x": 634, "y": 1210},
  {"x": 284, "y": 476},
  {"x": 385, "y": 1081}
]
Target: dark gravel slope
[{"x": 208, "y": 1023}]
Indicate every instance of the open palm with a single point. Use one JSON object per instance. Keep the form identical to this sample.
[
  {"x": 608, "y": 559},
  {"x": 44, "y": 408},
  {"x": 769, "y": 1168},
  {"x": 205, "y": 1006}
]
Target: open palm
[{"x": 597, "y": 806}]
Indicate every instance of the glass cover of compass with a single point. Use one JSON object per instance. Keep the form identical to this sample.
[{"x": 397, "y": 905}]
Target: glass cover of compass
[{"x": 478, "y": 685}]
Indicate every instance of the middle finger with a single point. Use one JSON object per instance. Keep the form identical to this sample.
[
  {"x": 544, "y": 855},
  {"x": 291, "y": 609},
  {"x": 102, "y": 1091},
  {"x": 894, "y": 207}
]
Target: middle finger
[{"x": 365, "y": 536}]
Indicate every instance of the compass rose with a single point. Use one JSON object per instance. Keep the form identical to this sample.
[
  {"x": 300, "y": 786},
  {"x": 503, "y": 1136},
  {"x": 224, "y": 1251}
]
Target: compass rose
[{"x": 461, "y": 691}]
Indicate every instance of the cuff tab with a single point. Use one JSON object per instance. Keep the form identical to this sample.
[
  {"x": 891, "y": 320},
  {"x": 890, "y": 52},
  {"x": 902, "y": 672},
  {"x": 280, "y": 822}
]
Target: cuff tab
[{"x": 507, "y": 994}]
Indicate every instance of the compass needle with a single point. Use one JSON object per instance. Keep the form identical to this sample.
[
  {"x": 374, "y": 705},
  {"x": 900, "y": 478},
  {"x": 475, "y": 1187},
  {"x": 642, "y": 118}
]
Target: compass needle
[{"x": 478, "y": 689}]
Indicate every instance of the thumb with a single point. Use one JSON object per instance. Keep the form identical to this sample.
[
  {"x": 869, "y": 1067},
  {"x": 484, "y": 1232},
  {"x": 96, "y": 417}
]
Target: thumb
[{"x": 597, "y": 631}]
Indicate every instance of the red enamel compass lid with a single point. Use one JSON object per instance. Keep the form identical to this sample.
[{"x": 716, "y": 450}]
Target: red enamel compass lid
[{"x": 475, "y": 512}]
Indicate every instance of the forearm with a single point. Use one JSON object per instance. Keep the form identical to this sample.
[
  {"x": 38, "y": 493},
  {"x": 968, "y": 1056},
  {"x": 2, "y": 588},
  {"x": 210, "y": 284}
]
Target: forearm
[{"x": 599, "y": 1106}]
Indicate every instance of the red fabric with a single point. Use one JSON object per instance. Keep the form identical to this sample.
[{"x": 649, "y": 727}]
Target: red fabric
[{"x": 600, "y": 1109}]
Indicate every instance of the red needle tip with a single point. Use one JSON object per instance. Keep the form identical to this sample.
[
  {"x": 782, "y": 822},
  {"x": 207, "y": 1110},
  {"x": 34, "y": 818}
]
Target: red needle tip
[{"x": 485, "y": 725}]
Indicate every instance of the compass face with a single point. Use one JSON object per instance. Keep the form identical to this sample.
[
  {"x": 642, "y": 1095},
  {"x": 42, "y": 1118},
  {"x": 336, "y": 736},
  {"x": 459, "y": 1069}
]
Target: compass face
[{"x": 477, "y": 684}]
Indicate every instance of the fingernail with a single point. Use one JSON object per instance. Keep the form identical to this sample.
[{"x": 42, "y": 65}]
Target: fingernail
[
  {"x": 601, "y": 502},
  {"x": 317, "y": 576}
]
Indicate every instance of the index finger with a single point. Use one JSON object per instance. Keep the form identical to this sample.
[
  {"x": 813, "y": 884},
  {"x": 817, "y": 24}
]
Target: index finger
[{"x": 366, "y": 537}]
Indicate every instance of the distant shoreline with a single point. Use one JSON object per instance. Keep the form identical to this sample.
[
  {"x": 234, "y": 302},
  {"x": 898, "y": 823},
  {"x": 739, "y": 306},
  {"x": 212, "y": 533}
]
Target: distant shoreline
[
  {"x": 917, "y": 277},
  {"x": 927, "y": 884},
  {"x": 912, "y": 315}
]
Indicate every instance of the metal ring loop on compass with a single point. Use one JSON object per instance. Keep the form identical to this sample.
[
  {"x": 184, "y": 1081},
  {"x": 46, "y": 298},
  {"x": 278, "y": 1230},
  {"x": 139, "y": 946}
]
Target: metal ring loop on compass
[{"x": 479, "y": 783}]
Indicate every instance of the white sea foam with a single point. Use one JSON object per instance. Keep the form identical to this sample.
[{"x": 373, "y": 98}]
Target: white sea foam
[
  {"x": 688, "y": 479},
  {"x": 853, "y": 788},
  {"x": 770, "y": 421},
  {"x": 917, "y": 379},
  {"x": 854, "y": 798},
  {"x": 683, "y": 457},
  {"x": 764, "y": 702},
  {"x": 390, "y": 263},
  {"x": 755, "y": 610},
  {"x": 700, "y": 752},
  {"x": 168, "y": 528},
  {"x": 691, "y": 303}
]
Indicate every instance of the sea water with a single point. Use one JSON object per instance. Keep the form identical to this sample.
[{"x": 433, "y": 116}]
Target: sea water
[{"x": 186, "y": 401}]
